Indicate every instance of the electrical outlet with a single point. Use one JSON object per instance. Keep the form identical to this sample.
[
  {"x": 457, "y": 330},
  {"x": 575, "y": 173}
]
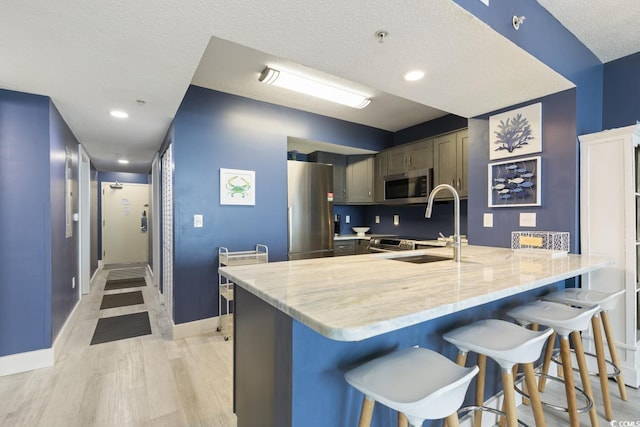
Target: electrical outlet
[
  {"x": 377, "y": 219},
  {"x": 396, "y": 219},
  {"x": 527, "y": 219},
  {"x": 198, "y": 221},
  {"x": 347, "y": 219},
  {"x": 73, "y": 282}
]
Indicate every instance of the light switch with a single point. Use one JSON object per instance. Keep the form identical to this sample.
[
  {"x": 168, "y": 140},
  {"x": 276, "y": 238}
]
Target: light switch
[
  {"x": 487, "y": 220},
  {"x": 527, "y": 219},
  {"x": 396, "y": 220},
  {"x": 197, "y": 221},
  {"x": 347, "y": 219},
  {"x": 377, "y": 219}
]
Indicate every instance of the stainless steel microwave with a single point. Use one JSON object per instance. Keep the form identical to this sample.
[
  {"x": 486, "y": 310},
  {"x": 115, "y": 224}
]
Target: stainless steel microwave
[{"x": 408, "y": 187}]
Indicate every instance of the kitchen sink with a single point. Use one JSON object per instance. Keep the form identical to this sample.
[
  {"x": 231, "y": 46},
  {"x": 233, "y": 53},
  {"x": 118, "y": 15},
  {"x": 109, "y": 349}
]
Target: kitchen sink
[{"x": 421, "y": 259}]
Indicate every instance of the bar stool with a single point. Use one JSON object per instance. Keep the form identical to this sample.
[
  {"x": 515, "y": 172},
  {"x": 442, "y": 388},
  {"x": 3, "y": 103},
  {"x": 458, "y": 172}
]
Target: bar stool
[
  {"x": 606, "y": 301},
  {"x": 508, "y": 344},
  {"x": 565, "y": 321},
  {"x": 418, "y": 383}
]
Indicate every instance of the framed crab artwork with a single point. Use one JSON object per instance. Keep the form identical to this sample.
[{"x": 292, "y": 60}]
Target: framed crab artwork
[
  {"x": 237, "y": 187},
  {"x": 515, "y": 183},
  {"x": 515, "y": 133}
]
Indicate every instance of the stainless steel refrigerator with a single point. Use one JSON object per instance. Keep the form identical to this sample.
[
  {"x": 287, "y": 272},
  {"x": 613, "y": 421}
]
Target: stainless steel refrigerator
[{"x": 310, "y": 210}]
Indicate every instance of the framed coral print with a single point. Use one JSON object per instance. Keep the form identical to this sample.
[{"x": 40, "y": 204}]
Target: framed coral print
[
  {"x": 237, "y": 187},
  {"x": 515, "y": 133},
  {"x": 515, "y": 183}
]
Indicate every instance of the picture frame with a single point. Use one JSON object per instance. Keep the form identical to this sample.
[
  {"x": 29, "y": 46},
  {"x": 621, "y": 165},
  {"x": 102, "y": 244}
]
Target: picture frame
[
  {"x": 237, "y": 187},
  {"x": 515, "y": 133},
  {"x": 515, "y": 183}
]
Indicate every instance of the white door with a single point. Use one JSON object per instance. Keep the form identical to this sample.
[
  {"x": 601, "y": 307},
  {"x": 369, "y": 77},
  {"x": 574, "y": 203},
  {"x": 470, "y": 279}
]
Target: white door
[{"x": 125, "y": 209}]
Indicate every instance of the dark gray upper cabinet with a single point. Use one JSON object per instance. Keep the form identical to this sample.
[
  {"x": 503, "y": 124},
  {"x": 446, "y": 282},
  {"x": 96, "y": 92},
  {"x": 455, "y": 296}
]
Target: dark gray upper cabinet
[
  {"x": 339, "y": 163},
  {"x": 450, "y": 162},
  {"x": 360, "y": 179}
]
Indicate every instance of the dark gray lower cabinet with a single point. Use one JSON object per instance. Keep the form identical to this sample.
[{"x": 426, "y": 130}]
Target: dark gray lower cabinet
[{"x": 344, "y": 247}]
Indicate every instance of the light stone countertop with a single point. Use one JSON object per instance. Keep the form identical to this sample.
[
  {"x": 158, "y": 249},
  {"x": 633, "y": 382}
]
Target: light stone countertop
[{"x": 356, "y": 297}]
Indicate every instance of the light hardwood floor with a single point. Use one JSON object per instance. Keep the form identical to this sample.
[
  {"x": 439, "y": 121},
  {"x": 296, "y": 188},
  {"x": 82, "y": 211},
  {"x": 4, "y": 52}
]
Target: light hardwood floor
[
  {"x": 155, "y": 381},
  {"x": 143, "y": 381}
]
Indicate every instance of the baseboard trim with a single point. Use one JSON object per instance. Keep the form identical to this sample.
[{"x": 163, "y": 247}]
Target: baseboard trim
[
  {"x": 197, "y": 327},
  {"x": 27, "y": 361},
  {"x": 37, "y": 359}
]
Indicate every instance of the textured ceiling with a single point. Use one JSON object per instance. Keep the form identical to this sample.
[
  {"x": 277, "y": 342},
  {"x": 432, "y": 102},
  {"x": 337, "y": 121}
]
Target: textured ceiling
[
  {"x": 608, "y": 28},
  {"x": 94, "y": 56}
]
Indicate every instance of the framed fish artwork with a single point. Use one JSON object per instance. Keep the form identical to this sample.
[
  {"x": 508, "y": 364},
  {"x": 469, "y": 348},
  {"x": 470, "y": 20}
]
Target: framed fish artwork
[
  {"x": 516, "y": 133},
  {"x": 515, "y": 183}
]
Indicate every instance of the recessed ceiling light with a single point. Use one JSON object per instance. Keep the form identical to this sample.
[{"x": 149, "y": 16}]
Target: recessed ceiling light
[
  {"x": 119, "y": 114},
  {"x": 414, "y": 75},
  {"x": 123, "y": 161}
]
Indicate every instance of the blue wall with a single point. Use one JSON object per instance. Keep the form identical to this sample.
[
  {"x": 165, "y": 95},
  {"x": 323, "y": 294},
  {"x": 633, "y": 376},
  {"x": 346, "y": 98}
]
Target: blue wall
[
  {"x": 122, "y": 177},
  {"x": 431, "y": 128},
  {"x": 64, "y": 255},
  {"x": 545, "y": 38},
  {"x": 621, "y": 92},
  {"x": 214, "y": 130},
  {"x": 25, "y": 223},
  {"x": 559, "y": 177}
]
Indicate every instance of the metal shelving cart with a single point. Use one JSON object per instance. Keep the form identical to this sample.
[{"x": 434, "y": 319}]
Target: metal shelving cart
[{"x": 225, "y": 286}]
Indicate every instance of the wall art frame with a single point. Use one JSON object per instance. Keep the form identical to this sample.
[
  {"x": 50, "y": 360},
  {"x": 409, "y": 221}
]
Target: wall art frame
[
  {"x": 516, "y": 133},
  {"x": 237, "y": 187},
  {"x": 515, "y": 183}
]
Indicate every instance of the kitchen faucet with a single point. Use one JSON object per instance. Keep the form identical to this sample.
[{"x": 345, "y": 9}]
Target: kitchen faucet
[{"x": 457, "y": 246}]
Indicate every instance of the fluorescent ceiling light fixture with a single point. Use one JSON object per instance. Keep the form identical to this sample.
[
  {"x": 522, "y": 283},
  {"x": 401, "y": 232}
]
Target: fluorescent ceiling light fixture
[
  {"x": 123, "y": 161},
  {"x": 414, "y": 75},
  {"x": 119, "y": 114},
  {"x": 313, "y": 87}
]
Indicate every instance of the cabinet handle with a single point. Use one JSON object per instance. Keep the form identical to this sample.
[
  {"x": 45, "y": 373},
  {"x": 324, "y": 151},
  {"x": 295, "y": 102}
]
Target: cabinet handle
[
  {"x": 459, "y": 183},
  {"x": 453, "y": 182},
  {"x": 409, "y": 160}
]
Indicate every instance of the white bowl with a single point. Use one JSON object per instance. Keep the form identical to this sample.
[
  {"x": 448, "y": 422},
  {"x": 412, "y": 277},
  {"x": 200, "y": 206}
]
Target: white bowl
[{"x": 360, "y": 230}]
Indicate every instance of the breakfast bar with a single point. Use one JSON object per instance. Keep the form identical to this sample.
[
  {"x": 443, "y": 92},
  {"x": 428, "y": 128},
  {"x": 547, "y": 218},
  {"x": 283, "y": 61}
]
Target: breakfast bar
[{"x": 300, "y": 325}]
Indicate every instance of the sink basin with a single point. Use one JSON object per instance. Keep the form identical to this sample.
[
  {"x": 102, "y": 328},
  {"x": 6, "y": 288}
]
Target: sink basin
[{"x": 421, "y": 259}]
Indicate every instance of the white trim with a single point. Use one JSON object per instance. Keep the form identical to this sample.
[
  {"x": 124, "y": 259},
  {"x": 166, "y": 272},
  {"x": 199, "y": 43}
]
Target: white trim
[
  {"x": 148, "y": 275},
  {"x": 37, "y": 359},
  {"x": 197, "y": 327},
  {"x": 27, "y": 361},
  {"x": 64, "y": 333}
]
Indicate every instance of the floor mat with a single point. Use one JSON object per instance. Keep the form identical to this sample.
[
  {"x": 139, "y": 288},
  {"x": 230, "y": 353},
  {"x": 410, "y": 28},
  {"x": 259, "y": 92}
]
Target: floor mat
[
  {"x": 124, "y": 283},
  {"x": 126, "y": 273},
  {"x": 121, "y": 327},
  {"x": 121, "y": 300}
]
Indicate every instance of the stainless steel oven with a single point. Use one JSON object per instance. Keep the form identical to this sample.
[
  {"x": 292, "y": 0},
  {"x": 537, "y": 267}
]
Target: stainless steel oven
[{"x": 390, "y": 244}]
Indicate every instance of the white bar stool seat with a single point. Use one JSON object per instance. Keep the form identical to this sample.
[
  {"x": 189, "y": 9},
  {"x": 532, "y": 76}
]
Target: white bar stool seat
[
  {"x": 607, "y": 301},
  {"x": 565, "y": 321},
  {"x": 508, "y": 344},
  {"x": 420, "y": 383}
]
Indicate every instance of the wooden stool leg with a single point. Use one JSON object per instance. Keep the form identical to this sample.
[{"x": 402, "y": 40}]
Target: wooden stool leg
[
  {"x": 461, "y": 359},
  {"x": 452, "y": 420},
  {"x": 584, "y": 375},
  {"x": 602, "y": 367},
  {"x": 509, "y": 398},
  {"x": 547, "y": 360},
  {"x": 565, "y": 353},
  {"x": 480, "y": 379},
  {"x": 611, "y": 341},
  {"x": 534, "y": 396},
  {"x": 503, "y": 420},
  {"x": 402, "y": 420},
  {"x": 366, "y": 413}
]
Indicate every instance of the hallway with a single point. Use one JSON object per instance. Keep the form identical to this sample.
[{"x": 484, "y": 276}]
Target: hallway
[{"x": 143, "y": 381}]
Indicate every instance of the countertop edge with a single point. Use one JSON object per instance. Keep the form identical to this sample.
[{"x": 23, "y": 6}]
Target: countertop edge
[{"x": 363, "y": 332}]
